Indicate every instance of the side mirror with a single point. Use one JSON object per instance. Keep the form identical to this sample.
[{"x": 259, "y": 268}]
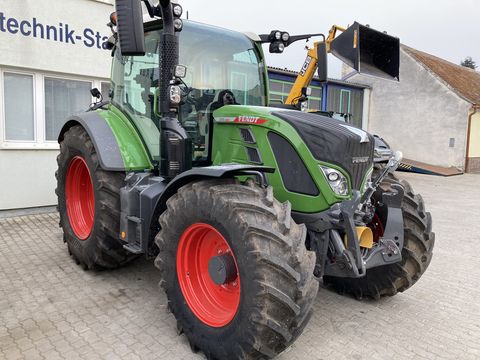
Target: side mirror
[
  {"x": 130, "y": 27},
  {"x": 322, "y": 63},
  {"x": 96, "y": 93}
]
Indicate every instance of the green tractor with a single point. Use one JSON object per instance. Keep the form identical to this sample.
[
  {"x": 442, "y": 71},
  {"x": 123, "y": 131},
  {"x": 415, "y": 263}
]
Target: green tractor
[{"x": 244, "y": 207}]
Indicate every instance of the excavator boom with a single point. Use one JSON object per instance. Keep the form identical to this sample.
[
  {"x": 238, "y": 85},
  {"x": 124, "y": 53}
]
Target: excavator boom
[{"x": 366, "y": 50}]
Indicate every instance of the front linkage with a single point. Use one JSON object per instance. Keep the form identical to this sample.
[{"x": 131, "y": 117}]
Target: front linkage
[{"x": 351, "y": 255}]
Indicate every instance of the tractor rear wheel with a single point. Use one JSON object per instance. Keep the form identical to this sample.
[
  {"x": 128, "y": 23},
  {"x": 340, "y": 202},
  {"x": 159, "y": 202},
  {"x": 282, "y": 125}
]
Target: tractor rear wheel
[
  {"x": 417, "y": 250},
  {"x": 89, "y": 204},
  {"x": 235, "y": 269}
]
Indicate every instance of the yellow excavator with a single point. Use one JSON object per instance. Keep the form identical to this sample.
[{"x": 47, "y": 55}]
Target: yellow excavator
[{"x": 366, "y": 50}]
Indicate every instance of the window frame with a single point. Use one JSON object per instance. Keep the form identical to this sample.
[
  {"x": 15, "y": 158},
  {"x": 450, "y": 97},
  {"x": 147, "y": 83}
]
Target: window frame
[
  {"x": 44, "y": 109},
  {"x": 284, "y": 95},
  {"x": 340, "y": 106},
  {"x": 3, "y": 119},
  {"x": 39, "y": 121}
]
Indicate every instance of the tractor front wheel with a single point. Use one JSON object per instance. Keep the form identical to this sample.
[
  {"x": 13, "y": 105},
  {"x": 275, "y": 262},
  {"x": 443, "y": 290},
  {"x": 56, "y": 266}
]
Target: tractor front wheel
[
  {"x": 235, "y": 269},
  {"x": 89, "y": 204},
  {"x": 419, "y": 240}
]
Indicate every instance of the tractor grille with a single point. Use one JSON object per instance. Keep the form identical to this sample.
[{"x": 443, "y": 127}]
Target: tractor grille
[
  {"x": 295, "y": 175},
  {"x": 253, "y": 155},
  {"x": 247, "y": 135},
  {"x": 331, "y": 141}
]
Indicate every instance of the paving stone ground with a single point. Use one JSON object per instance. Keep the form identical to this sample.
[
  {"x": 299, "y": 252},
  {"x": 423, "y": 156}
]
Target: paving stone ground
[{"x": 51, "y": 309}]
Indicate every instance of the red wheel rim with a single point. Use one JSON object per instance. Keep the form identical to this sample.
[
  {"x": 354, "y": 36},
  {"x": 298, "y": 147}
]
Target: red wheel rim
[
  {"x": 214, "y": 305},
  {"x": 80, "y": 198}
]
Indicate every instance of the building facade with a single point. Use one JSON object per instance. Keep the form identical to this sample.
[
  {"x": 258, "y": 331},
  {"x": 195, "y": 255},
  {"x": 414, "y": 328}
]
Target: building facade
[
  {"x": 50, "y": 57},
  {"x": 432, "y": 114}
]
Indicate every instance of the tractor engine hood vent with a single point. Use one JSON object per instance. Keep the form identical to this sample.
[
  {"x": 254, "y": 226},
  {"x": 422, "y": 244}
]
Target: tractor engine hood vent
[{"x": 335, "y": 142}]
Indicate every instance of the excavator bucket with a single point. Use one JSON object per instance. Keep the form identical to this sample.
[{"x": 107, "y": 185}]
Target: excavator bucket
[{"x": 368, "y": 51}]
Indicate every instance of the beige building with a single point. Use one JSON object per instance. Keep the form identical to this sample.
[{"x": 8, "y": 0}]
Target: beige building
[
  {"x": 432, "y": 115},
  {"x": 51, "y": 55}
]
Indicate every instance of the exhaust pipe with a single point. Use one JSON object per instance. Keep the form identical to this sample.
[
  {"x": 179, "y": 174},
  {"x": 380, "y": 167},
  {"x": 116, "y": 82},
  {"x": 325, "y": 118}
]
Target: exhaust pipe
[{"x": 169, "y": 54}]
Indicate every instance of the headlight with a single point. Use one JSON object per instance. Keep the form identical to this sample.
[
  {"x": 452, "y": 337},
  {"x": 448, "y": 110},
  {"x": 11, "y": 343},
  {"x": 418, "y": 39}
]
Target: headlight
[
  {"x": 278, "y": 35},
  {"x": 337, "y": 181},
  {"x": 285, "y": 36}
]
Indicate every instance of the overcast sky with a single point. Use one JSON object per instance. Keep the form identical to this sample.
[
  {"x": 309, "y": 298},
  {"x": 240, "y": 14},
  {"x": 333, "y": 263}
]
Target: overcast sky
[{"x": 449, "y": 29}]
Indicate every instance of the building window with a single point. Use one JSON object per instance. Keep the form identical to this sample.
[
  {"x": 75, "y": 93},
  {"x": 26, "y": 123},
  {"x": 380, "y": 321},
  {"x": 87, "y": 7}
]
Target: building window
[
  {"x": 345, "y": 97},
  {"x": 63, "y": 98},
  {"x": 346, "y": 101},
  {"x": 19, "y": 107},
  {"x": 315, "y": 99},
  {"x": 279, "y": 91},
  {"x": 34, "y": 106},
  {"x": 105, "y": 90}
]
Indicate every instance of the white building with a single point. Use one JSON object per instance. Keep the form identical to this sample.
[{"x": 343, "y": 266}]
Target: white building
[
  {"x": 51, "y": 55},
  {"x": 432, "y": 115}
]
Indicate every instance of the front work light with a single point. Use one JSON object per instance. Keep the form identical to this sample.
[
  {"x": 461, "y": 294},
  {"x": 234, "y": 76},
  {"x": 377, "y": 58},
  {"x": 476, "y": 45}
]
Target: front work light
[
  {"x": 337, "y": 181},
  {"x": 277, "y": 47},
  {"x": 178, "y": 23},
  {"x": 175, "y": 94},
  {"x": 180, "y": 71},
  {"x": 177, "y": 10}
]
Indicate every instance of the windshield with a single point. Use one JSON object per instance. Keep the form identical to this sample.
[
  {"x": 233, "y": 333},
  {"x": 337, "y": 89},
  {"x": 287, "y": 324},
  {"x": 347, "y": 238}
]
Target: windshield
[{"x": 219, "y": 63}]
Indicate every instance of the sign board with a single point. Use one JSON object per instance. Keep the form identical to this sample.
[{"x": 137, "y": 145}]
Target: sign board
[{"x": 65, "y": 36}]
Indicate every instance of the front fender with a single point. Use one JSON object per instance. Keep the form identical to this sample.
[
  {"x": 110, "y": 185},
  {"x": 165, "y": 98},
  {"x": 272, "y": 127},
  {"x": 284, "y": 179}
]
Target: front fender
[
  {"x": 117, "y": 143},
  {"x": 214, "y": 172},
  {"x": 145, "y": 197}
]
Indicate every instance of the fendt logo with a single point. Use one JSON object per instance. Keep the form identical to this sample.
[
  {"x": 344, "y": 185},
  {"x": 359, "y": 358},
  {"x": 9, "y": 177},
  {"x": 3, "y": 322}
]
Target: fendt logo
[
  {"x": 254, "y": 120},
  {"x": 60, "y": 32},
  {"x": 360, "y": 159},
  {"x": 249, "y": 120}
]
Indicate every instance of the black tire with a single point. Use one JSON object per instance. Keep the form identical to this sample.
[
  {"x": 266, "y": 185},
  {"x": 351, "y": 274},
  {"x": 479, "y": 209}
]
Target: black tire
[
  {"x": 416, "y": 253},
  {"x": 102, "y": 248},
  {"x": 276, "y": 270}
]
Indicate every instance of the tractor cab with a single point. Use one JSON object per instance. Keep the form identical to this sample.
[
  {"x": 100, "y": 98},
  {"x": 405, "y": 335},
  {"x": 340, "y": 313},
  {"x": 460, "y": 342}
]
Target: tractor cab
[{"x": 222, "y": 68}]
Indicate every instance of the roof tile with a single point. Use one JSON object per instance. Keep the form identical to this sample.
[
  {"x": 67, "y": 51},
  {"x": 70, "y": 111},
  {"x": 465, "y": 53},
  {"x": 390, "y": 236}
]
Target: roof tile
[{"x": 464, "y": 81}]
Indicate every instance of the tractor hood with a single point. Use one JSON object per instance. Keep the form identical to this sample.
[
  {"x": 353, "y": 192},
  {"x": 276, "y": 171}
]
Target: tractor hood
[
  {"x": 329, "y": 140},
  {"x": 334, "y": 142}
]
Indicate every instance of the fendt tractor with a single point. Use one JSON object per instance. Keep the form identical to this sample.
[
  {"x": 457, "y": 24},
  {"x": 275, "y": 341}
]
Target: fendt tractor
[{"x": 244, "y": 206}]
